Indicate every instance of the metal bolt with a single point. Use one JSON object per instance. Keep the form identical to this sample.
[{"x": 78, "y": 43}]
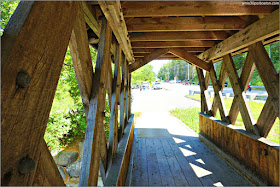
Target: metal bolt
[
  {"x": 26, "y": 165},
  {"x": 23, "y": 79}
]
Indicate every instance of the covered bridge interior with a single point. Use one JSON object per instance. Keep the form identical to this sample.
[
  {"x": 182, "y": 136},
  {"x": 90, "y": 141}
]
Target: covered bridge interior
[{"x": 128, "y": 35}]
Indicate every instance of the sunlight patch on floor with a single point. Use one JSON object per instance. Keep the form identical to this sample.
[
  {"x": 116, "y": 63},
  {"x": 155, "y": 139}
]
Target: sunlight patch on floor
[
  {"x": 199, "y": 171},
  {"x": 186, "y": 152}
]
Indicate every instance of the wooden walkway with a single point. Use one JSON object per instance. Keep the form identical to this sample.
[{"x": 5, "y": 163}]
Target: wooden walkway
[{"x": 165, "y": 159}]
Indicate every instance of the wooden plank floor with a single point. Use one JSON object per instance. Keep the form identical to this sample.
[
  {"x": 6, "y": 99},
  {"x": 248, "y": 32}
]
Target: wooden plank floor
[{"x": 165, "y": 159}]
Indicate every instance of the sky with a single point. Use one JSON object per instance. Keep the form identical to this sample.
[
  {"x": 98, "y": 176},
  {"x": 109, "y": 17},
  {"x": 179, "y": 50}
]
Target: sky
[{"x": 157, "y": 64}]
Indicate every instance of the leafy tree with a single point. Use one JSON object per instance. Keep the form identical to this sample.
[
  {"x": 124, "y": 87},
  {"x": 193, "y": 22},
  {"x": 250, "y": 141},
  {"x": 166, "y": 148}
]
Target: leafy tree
[
  {"x": 7, "y": 9},
  {"x": 144, "y": 73}
]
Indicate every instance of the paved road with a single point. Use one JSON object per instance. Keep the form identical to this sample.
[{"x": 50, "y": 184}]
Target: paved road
[{"x": 168, "y": 98}]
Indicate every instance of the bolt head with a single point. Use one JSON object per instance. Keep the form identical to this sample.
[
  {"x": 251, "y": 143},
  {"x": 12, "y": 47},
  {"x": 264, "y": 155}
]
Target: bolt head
[
  {"x": 26, "y": 165},
  {"x": 23, "y": 79}
]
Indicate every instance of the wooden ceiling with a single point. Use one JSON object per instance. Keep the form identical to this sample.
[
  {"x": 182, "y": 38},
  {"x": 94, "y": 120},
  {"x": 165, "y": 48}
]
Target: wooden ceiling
[{"x": 194, "y": 26}]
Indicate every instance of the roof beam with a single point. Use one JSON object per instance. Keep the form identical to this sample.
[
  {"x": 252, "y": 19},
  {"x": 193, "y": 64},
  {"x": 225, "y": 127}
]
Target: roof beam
[
  {"x": 112, "y": 12},
  {"x": 190, "y": 58},
  {"x": 185, "y": 24},
  {"x": 178, "y": 36},
  {"x": 148, "y": 58},
  {"x": 90, "y": 19},
  {"x": 258, "y": 31},
  {"x": 193, "y": 8},
  {"x": 172, "y": 44},
  {"x": 165, "y": 55},
  {"x": 149, "y": 50}
]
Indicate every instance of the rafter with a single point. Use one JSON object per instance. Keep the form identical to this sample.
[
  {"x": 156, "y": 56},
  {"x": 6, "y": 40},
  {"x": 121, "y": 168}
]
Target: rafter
[
  {"x": 178, "y": 36},
  {"x": 260, "y": 30},
  {"x": 192, "y": 8},
  {"x": 148, "y": 58},
  {"x": 190, "y": 58},
  {"x": 185, "y": 24},
  {"x": 171, "y": 44}
]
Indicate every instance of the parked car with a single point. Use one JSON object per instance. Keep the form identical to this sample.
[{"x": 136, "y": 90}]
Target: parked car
[
  {"x": 172, "y": 81},
  {"x": 178, "y": 81},
  {"x": 249, "y": 87},
  {"x": 146, "y": 84},
  {"x": 157, "y": 86}
]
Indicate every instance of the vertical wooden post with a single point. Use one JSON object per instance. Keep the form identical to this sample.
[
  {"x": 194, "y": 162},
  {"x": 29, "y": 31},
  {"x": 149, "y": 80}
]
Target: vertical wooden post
[
  {"x": 91, "y": 152},
  {"x": 126, "y": 96},
  {"x": 123, "y": 98},
  {"x": 32, "y": 56},
  {"x": 130, "y": 98},
  {"x": 113, "y": 138}
]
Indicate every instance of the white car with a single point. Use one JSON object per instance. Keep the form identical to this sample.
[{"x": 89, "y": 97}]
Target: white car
[{"x": 157, "y": 85}]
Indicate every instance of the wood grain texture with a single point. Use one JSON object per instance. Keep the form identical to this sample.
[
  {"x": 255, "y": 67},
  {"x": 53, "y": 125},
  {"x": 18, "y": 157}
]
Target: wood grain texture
[
  {"x": 266, "y": 118},
  {"x": 79, "y": 49},
  {"x": 258, "y": 155},
  {"x": 240, "y": 94},
  {"x": 258, "y": 31},
  {"x": 148, "y": 58},
  {"x": 246, "y": 75},
  {"x": 30, "y": 44},
  {"x": 178, "y": 36},
  {"x": 163, "y": 24},
  {"x": 90, "y": 19},
  {"x": 123, "y": 97},
  {"x": 47, "y": 173},
  {"x": 113, "y": 131},
  {"x": 267, "y": 71},
  {"x": 190, "y": 58},
  {"x": 192, "y": 8},
  {"x": 92, "y": 148},
  {"x": 114, "y": 15}
]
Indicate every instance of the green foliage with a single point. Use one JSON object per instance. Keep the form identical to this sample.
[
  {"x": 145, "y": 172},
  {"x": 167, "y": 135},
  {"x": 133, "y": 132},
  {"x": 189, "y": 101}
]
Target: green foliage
[
  {"x": 188, "y": 116},
  {"x": 144, "y": 73},
  {"x": 7, "y": 9},
  {"x": 178, "y": 68}
]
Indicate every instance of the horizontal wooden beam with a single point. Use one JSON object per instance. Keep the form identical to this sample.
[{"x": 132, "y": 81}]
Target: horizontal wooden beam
[
  {"x": 154, "y": 55},
  {"x": 178, "y": 36},
  {"x": 190, "y": 58},
  {"x": 192, "y": 8},
  {"x": 258, "y": 31},
  {"x": 112, "y": 12},
  {"x": 149, "y": 50},
  {"x": 165, "y": 55},
  {"x": 184, "y": 24},
  {"x": 171, "y": 44}
]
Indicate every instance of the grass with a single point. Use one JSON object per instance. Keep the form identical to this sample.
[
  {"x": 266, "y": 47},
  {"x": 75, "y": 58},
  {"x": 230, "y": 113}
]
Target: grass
[{"x": 190, "y": 116}]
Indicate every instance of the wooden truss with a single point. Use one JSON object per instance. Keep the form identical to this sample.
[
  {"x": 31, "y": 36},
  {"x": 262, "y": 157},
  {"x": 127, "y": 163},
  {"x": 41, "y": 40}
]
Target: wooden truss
[{"x": 34, "y": 44}]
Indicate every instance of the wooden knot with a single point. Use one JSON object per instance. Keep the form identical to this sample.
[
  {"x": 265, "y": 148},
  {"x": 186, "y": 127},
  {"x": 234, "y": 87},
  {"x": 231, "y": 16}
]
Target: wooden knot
[
  {"x": 26, "y": 165},
  {"x": 101, "y": 85},
  {"x": 23, "y": 79}
]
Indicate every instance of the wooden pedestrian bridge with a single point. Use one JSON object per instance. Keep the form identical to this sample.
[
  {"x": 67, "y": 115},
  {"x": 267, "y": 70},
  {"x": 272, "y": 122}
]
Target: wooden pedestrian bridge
[{"x": 128, "y": 35}]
